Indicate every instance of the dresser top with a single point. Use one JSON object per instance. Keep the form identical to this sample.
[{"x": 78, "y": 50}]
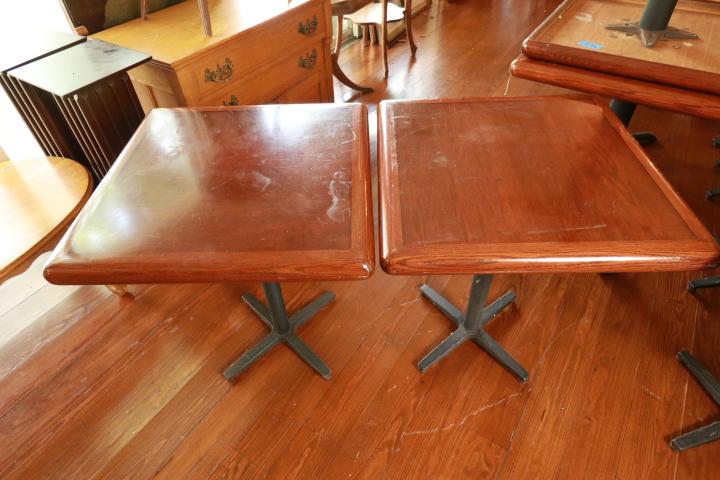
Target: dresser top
[
  {"x": 535, "y": 184},
  {"x": 77, "y": 67},
  {"x": 275, "y": 192},
  {"x": 34, "y": 45},
  {"x": 176, "y": 33}
]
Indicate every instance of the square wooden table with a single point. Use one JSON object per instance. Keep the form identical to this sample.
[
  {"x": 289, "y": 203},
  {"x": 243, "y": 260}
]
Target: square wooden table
[
  {"x": 268, "y": 193},
  {"x": 521, "y": 185}
]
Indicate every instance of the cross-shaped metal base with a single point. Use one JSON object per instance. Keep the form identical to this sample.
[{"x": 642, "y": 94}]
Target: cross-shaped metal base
[
  {"x": 470, "y": 325},
  {"x": 282, "y": 329},
  {"x": 708, "y": 433},
  {"x": 650, "y": 37}
]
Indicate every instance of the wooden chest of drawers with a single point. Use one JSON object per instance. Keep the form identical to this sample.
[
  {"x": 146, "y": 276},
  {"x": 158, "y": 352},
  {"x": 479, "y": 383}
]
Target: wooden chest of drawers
[{"x": 268, "y": 51}]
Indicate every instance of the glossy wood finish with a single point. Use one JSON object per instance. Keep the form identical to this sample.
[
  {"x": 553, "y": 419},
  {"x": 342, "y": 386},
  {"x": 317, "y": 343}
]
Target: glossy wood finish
[
  {"x": 260, "y": 44},
  {"x": 598, "y": 347},
  {"x": 679, "y": 100},
  {"x": 690, "y": 64},
  {"x": 222, "y": 195},
  {"x": 39, "y": 198},
  {"x": 546, "y": 184}
]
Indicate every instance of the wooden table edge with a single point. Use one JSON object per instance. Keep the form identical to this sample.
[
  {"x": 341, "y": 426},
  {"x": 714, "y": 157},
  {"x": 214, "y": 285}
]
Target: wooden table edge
[
  {"x": 673, "y": 76},
  {"x": 53, "y": 236},
  {"x": 571, "y": 257},
  {"x": 688, "y": 102}
]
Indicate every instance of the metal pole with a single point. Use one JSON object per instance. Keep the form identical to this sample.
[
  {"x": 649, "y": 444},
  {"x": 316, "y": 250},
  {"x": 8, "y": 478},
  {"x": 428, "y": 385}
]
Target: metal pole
[
  {"x": 278, "y": 314},
  {"x": 657, "y": 13},
  {"x": 476, "y": 303}
]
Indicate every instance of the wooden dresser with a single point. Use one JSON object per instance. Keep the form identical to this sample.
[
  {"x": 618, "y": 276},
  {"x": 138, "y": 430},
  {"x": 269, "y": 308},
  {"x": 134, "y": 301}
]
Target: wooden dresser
[{"x": 261, "y": 51}]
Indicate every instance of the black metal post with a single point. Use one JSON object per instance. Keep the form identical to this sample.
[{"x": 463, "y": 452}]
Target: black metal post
[{"x": 657, "y": 13}]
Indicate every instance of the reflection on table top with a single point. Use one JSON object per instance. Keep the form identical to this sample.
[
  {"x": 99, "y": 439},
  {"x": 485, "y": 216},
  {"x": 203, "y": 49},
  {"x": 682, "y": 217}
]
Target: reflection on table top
[
  {"x": 525, "y": 184},
  {"x": 265, "y": 193}
]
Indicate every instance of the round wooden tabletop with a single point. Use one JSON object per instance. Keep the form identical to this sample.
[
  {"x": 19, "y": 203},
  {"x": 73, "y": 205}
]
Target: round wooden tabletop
[{"x": 38, "y": 199}]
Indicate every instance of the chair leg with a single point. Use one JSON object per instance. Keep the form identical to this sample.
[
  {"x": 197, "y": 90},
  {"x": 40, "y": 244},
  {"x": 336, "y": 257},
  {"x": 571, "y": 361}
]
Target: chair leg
[
  {"x": 384, "y": 40},
  {"x": 408, "y": 27}
]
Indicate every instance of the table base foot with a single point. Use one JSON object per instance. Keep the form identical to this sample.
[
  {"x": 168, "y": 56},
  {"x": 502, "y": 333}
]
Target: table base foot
[
  {"x": 711, "y": 385},
  {"x": 282, "y": 330},
  {"x": 650, "y": 37},
  {"x": 708, "y": 282},
  {"x": 469, "y": 328}
]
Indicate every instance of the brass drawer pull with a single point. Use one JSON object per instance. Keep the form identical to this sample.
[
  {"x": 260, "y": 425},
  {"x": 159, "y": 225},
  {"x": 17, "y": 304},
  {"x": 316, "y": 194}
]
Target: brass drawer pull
[
  {"x": 221, "y": 74},
  {"x": 233, "y": 102},
  {"x": 309, "y": 27},
  {"x": 310, "y": 60}
]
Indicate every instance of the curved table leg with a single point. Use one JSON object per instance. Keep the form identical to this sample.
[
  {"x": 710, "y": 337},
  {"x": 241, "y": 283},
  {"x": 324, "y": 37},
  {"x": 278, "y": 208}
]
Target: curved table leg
[{"x": 337, "y": 71}]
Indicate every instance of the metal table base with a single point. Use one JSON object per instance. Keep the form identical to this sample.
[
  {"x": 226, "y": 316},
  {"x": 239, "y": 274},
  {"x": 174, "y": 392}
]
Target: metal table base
[
  {"x": 283, "y": 328},
  {"x": 470, "y": 325},
  {"x": 711, "y": 385}
]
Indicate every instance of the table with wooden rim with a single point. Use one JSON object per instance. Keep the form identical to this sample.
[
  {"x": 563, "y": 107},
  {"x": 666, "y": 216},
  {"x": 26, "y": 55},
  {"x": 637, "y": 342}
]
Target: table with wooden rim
[
  {"x": 522, "y": 185},
  {"x": 39, "y": 198},
  {"x": 572, "y": 48},
  {"x": 270, "y": 193}
]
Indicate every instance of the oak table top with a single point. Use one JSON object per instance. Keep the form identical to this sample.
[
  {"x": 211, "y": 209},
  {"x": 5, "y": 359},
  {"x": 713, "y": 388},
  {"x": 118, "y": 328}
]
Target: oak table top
[
  {"x": 270, "y": 193},
  {"x": 39, "y": 197},
  {"x": 575, "y": 35},
  {"x": 536, "y": 184}
]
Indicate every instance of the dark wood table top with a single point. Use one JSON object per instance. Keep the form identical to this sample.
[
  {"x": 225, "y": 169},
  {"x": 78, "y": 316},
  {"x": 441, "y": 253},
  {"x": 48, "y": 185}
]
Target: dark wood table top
[
  {"x": 77, "y": 67},
  {"x": 575, "y": 35},
  {"x": 535, "y": 184},
  {"x": 34, "y": 45},
  {"x": 276, "y": 192}
]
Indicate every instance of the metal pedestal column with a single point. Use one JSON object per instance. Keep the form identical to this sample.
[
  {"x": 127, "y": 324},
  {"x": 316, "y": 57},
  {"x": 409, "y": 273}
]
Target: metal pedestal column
[
  {"x": 282, "y": 329},
  {"x": 652, "y": 26},
  {"x": 470, "y": 325},
  {"x": 707, "y": 433}
]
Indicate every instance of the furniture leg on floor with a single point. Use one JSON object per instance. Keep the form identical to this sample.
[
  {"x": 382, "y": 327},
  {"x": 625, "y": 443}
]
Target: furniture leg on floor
[
  {"x": 471, "y": 325},
  {"x": 711, "y": 385},
  {"x": 283, "y": 328}
]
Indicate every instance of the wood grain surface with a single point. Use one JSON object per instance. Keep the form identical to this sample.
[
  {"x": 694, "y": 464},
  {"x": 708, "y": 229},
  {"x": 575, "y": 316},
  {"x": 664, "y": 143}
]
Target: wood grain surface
[
  {"x": 575, "y": 35},
  {"x": 653, "y": 94},
  {"x": 536, "y": 184},
  {"x": 38, "y": 200},
  {"x": 210, "y": 195}
]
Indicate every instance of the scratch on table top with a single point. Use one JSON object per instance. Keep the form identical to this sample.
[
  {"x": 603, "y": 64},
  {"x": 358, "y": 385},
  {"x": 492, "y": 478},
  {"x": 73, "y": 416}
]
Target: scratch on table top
[{"x": 571, "y": 229}]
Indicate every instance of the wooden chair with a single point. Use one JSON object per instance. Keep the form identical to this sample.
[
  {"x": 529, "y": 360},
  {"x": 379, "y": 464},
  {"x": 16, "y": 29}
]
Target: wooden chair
[{"x": 381, "y": 14}]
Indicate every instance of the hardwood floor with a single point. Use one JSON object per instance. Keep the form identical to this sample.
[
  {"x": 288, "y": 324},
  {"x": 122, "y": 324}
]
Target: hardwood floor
[{"x": 97, "y": 386}]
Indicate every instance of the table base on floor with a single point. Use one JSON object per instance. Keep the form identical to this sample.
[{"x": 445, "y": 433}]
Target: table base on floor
[
  {"x": 470, "y": 325},
  {"x": 282, "y": 329},
  {"x": 708, "y": 433}
]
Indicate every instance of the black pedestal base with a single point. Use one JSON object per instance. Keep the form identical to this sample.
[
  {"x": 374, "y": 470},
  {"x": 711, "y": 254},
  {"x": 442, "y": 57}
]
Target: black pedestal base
[
  {"x": 282, "y": 329},
  {"x": 470, "y": 325}
]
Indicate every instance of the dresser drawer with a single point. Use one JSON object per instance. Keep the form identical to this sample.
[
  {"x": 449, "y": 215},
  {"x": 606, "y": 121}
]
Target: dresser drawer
[
  {"x": 265, "y": 84},
  {"x": 310, "y": 90},
  {"x": 251, "y": 50}
]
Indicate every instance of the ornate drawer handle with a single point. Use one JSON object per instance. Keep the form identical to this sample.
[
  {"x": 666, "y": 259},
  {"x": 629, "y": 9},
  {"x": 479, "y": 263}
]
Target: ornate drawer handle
[
  {"x": 309, "y": 27},
  {"x": 233, "y": 102},
  {"x": 310, "y": 59},
  {"x": 221, "y": 74}
]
